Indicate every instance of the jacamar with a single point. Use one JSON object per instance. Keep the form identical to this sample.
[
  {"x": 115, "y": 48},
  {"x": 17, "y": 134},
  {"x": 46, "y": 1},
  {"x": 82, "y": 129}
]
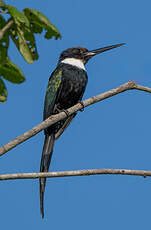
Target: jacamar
[{"x": 66, "y": 87}]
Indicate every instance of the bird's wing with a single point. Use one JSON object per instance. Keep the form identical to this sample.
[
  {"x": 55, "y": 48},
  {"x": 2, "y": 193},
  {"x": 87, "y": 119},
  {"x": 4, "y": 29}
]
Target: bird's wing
[
  {"x": 52, "y": 93},
  {"x": 53, "y": 89}
]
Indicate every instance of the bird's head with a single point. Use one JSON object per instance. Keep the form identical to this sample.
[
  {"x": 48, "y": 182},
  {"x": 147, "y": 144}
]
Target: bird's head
[{"x": 83, "y": 55}]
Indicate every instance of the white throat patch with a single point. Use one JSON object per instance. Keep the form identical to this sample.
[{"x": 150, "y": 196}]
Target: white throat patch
[{"x": 75, "y": 62}]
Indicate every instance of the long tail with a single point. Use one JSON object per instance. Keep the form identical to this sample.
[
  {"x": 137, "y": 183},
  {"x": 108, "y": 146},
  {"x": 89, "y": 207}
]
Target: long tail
[{"x": 44, "y": 166}]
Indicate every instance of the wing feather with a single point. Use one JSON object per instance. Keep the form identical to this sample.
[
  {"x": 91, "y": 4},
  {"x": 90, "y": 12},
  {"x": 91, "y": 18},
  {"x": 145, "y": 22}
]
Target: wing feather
[{"x": 53, "y": 89}]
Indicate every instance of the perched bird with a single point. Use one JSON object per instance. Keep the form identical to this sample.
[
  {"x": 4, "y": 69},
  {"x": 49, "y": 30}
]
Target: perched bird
[{"x": 66, "y": 87}]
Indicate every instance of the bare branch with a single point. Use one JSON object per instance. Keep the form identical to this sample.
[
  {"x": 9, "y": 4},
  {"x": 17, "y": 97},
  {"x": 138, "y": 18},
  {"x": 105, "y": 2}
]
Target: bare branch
[
  {"x": 3, "y": 11},
  {"x": 85, "y": 172},
  {"x": 142, "y": 88},
  {"x": 60, "y": 116},
  {"x": 5, "y": 28}
]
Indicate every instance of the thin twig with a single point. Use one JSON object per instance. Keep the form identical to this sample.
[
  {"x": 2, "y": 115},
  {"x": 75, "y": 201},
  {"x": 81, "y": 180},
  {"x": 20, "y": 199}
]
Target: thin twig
[
  {"x": 3, "y": 11},
  {"x": 5, "y": 28},
  {"x": 142, "y": 88},
  {"x": 85, "y": 172},
  {"x": 60, "y": 116}
]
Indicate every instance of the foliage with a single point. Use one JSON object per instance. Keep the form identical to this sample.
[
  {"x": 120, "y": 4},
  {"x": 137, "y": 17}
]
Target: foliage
[{"x": 22, "y": 31}]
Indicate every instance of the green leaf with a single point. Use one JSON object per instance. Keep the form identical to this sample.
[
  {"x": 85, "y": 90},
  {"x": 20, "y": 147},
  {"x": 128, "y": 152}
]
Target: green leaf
[
  {"x": 11, "y": 72},
  {"x": 39, "y": 22},
  {"x": 4, "y": 42},
  {"x": 25, "y": 42},
  {"x": 2, "y": 3},
  {"x": 18, "y": 16},
  {"x": 35, "y": 28},
  {"x": 22, "y": 36},
  {"x": 3, "y": 91}
]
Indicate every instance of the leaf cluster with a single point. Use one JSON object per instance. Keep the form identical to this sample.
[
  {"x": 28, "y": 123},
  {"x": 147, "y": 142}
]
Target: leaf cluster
[{"x": 22, "y": 31}]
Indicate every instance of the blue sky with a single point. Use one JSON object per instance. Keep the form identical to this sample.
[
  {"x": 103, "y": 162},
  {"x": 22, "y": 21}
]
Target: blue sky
[{"x": 114, "y": 133}]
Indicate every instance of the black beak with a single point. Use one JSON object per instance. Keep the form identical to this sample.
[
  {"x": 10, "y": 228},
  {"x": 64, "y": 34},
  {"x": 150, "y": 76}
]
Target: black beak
[{"x": 92, "y": 53}]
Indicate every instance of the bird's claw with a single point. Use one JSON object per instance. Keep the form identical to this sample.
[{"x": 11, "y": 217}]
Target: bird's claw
[
  {"x": 66, "y": 112},
  {"x": 63, "y": 110},
  {"x": 81, "y": 103}
]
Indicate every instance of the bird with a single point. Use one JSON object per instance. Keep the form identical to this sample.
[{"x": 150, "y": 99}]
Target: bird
[{"x": 66, "y": 87}]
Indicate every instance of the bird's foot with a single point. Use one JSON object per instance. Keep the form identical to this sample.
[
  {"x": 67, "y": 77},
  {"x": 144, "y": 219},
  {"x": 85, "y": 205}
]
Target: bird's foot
[
  {"x": 63, "y": 110},
  {"x": 82, "y": 109},
  {"x": 66, "y": 112}
]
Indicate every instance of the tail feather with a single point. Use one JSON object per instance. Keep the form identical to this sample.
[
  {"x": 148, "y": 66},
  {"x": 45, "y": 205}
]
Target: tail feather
[{"x": 44, "y": 166}]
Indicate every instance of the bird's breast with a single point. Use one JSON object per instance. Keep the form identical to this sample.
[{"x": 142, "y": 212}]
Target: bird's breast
[{"x": 74, "y": 81}]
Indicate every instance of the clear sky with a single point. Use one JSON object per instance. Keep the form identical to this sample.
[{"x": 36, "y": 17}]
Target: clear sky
[{"x": 114, "y": 133}]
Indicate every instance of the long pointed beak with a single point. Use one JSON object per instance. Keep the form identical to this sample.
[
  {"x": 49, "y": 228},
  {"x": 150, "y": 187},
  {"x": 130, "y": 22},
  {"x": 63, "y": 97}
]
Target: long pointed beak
[{"x": 89, "y": 54}]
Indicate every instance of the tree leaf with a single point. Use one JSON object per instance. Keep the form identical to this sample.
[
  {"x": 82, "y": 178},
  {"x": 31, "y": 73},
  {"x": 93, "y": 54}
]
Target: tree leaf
[
  {"x": 4, "y": 42},
  {"x": 39, "y": 22},
  {"x": 18, "y": 16},
  {"x": 3, "y": 91},
  {"x": 25, "y": 42},
  {"x": 35, "y": 28},
  {"x": 22, "y": 35},
  {"x": 11, "y": 72},
  {"x": 2, "y": 3}
]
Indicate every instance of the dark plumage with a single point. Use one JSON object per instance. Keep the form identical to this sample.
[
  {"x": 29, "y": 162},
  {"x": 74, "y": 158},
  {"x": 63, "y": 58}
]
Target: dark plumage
[{"x": 66, "y": 87}]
